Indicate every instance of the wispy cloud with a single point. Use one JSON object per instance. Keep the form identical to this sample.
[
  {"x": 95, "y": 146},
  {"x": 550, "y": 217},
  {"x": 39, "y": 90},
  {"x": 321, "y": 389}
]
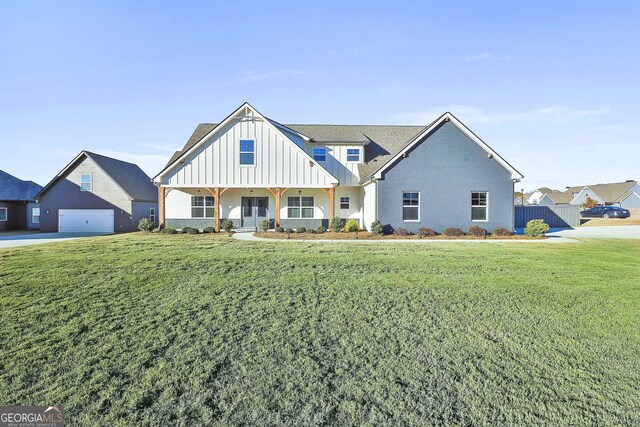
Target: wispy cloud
[
  {"x": 470, "y": 114},
  {"x": 252, "y": 76}
]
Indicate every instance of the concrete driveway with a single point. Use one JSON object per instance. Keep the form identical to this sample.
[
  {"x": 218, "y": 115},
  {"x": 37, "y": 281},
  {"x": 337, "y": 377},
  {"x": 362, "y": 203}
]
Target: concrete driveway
[
  {"x": 15, "y": 239},
  {"x": 604, "y": 232}
]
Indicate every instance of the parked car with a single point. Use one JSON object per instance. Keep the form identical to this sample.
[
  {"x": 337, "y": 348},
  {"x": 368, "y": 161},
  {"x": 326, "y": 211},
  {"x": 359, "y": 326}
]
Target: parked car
[{"x": 606, "y": 212}]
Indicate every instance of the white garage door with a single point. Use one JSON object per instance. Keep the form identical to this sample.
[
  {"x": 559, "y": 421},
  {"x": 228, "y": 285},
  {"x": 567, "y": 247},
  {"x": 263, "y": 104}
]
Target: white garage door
[{"x": 85, "y": 220}]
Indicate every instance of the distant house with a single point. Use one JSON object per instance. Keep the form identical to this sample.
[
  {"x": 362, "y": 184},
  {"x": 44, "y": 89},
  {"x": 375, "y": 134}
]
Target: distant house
[
  {"x": 249, "y": 168},
  {"x": 625, "y": 194},
  {"x": 95, "y": 193},
  {"x": 18, "y": 208},
  {"x": 534, "y": 197}
]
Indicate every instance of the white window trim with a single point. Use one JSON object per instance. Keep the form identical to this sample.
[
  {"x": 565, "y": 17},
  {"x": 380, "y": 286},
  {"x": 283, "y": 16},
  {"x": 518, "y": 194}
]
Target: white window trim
[
  {"x": 204, "y": 206},
  {"x": 300, "y": 207},
  {"x": 32, "y": 216},
  {"x": 90, "y": 181},
  {"x": 479, "y": 206},
  {"x": 419, "y": 206},
  {"x": 247, "y": 165},
  {"x": 152, "y": 214},
  {"x": 348, "y": 202},
  {"x": 6, "y": 214},
  {"x": 359, "y": 155},
  {"x": 326, "y": 153}
]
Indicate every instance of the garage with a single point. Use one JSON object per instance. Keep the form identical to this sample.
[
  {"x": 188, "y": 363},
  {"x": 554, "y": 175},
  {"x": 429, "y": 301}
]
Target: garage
[{"x": 86, "y": 220}]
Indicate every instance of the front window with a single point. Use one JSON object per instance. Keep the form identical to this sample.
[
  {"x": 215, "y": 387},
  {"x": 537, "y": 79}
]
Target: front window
[
  {"x": 202, "y": 207},
  {"x": 410, "y": 206},
  {"x": 152, "y": 214},
  {"x": 300, "y": 207},
  {"x": 353, "y": 154},
  {"x": 344, "y": 203},
  {"x": 247, "y": 151},
  {"x": 35, "y": 215},
  {"x": 479, "y": 206},
  {"x": 85, "y": 182},
  {"x": 319, "y": 154},
  {"x": 3, "y": 214}
]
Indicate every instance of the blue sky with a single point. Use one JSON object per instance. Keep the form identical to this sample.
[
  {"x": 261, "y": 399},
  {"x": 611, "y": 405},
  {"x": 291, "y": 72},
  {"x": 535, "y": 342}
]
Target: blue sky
[{"x": 552, "y": 86}]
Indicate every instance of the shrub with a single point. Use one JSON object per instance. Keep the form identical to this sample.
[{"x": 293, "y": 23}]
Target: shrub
[
  {"x": 146, "y": 224},
  {"x": 376, "y": 228},
  {"x": 402, "y": 232},
  {"x": 426, "y": 232},
  {"x": 476, "y": 231},
  {"x": 169, "y": 230},
  {"x": 264, "y": 225},
  {"x": 208, "y": 230},
  {"x": 301, "y": 230},
  {"x": 227, "y": 225},
  {"x": 336, "y": 224},
  {"x": 321, "y": 229},
  {"x": 588, "y": 203},
  {"x": 311, "y": 231},
  {"x": 536, "y": 227},
  {"x": 279, "y": 229},
  {"x": 453, "y": 232},
  {"x": 502, "y": 232},
  {"x": 352, "y": 225},
  {"x": 190, "y": 230},
  {"x": 288, "y": 230}
]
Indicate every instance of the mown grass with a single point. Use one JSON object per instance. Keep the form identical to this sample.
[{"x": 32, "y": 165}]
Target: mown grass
[{"x": 199, "y": 330}]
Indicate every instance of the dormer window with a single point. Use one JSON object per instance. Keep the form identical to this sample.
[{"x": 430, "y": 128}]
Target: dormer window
[
  {"x": 353, "y": 154},
  {"x": 319, "y": 154},
  {"x": 85, "y": 182}
]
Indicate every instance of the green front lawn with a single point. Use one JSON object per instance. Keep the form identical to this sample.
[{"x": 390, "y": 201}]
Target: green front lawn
[{"x": 190, "y": 330}]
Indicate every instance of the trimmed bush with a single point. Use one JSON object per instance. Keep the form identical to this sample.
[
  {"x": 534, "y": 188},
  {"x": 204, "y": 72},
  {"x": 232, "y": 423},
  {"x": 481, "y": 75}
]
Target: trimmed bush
[
  {"x": 352, "y": 225},
  {"x": 376, "y": 228},
  {"x": 264, "y": 225},
  {"x": 321, "y": 229},
  {"x": 301, "y": 230},
  {"x": 336, "y": 224},
  {"x": 190, "y": 230},
  {"x": 502, "y": 232},
  {"x": 311, "y": 231},
  {"x": 476, "y": 231},
  {"x": 169, "y": 230},
  {"x": 146, "y": 224},
  {"x": 279, "y": 229},
  {"x": 289, "y": 230},
  {"x": 453, "y": 232},
  {"x": 426, "y": 232},
  {"x": 401, "y": 232},
  {"x": 227, "y": 225},
  {"x": 536, "y": 227},
  {"x": 209, "y": 230}
]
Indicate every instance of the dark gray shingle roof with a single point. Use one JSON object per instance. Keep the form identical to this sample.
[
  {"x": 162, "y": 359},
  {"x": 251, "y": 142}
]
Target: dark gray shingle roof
[
  {"x": 383, "y": 141},
  {"x": 128, "y": 176},
  {"x": 12, "y": 188}
]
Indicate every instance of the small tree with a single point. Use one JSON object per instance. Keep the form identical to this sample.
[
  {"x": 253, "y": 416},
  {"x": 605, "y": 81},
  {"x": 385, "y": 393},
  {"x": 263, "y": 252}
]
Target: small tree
[
  {"x": 536, "y": 227},
  {"x": 376, "y": 228},
  {"x": 227, "y": 225},
  {"x": 264, "y": 225},
  {"x": 588, "y": 203},
  {"x": 146, "y": 224}
]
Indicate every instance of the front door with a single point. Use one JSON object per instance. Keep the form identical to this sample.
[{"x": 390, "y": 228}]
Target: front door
[{"x": 254, "y": 210}]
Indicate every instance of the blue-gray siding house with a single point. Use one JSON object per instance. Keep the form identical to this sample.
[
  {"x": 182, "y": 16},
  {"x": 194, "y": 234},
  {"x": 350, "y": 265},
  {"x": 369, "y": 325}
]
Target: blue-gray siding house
[{"x": 18, "y": 208}]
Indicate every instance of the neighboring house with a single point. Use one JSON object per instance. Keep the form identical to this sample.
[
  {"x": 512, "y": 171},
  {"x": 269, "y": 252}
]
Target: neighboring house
[
  {"x": 249, "y": 168},
  {"x": 18, "y": 208},
  {"x": 535, "y": 197},
  {"x": 96, "y": 193},
  {"x": 625, "y": 194}
]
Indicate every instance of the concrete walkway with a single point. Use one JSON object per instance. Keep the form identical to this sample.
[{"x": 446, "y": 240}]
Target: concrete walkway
[{"x": 25, "y": 238}]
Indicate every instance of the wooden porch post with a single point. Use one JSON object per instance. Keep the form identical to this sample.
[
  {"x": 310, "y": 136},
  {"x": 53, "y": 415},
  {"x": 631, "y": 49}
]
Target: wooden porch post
[{"x": 332, "y": 192}]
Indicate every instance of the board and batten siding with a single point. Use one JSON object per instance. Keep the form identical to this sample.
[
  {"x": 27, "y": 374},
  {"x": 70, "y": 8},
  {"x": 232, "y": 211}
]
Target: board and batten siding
[
  {"x": 336, "y": 163},
  {"x": 369, "y": 204},
  {"x": 278, "y": 162}
]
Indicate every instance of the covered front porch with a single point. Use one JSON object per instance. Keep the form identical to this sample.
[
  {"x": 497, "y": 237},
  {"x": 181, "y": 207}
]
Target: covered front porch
[{"x": 249, "y": 207}]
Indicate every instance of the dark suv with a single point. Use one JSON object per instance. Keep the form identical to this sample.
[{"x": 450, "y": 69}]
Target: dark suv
[{"x": 606, "y": 212}]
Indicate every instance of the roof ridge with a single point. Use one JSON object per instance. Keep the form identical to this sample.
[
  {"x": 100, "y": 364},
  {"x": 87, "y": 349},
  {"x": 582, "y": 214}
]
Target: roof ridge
[{"x": 329, "y": 124}]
